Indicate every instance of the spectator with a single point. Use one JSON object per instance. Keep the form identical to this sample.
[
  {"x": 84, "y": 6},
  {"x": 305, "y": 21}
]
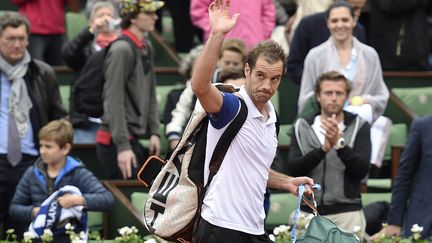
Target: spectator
[
  {"x": 184, "y": 30},
  {"x": 411, "y": 188},
  {"x": 399, "y": 33},
  {"x": 256, "y": 21},
  {"x": 344, "y": 53},
  {"x": 232, "y": 55},
  {"x": 305, "y": 8},
  {"x": 53, "y": 170},
  {"x": 29, "y": 98},
  {"x": 130, "y": 105},
  {"x": 230, "y": 214},
  {"x": 47, "y": 18},
  {"x": 100, "y": 33},
  {"x": 333, "y": 148},
  {"x": 185, "y": 69},
  {"x": 360, "y": 65},
  {"x": 312, "y": 31}
]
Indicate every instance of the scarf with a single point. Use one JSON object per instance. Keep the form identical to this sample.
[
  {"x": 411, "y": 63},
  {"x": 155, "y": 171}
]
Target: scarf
[
  {"x": 19, "y": 100},
  {"x": 103, "y": 40}
]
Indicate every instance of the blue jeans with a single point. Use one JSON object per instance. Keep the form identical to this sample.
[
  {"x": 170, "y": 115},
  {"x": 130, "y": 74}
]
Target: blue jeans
[{"x": 86, "y": 135}]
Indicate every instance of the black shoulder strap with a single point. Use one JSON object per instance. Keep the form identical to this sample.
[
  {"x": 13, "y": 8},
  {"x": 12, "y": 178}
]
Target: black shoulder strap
[
  {"x": 277, "y": 124},
  {"x": 225, "y": 141}
]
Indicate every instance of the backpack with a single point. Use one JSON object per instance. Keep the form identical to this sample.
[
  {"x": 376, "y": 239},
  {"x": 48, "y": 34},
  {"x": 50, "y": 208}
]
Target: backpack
[
  {"x": 173, "y": 205},
  {"x": 87, "y": 89}
]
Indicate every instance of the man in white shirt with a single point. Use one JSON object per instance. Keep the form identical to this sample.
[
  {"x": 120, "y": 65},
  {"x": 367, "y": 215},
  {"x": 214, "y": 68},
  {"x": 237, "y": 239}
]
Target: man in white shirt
[{"x": 233, "y": 209}]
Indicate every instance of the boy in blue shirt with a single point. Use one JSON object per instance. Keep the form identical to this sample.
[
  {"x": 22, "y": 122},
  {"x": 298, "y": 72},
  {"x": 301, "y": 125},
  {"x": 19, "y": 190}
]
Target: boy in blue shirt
[{"x": 52, "y": 171}]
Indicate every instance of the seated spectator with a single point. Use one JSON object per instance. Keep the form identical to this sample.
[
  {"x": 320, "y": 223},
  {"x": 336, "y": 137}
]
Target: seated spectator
[
  {"x": 232, "y": 55},
  {"x": 411, "y": 191},
  {"x": 360, "y": 65},
  {"x": 53, "y": 170},
  {"x": 100, "y": 33},
  {"x": 399, "y": 33},
  {"x": 312, "y": 31},
  {"x": 334, "y": 149},
  {"x": 47, "y": 19},
  {"x": 304, "y": 8},
  {"x": 185, "y": 69}
]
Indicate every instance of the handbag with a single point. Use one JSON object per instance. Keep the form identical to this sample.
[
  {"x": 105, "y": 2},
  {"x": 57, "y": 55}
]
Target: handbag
[{"x": 320, "y": 228}]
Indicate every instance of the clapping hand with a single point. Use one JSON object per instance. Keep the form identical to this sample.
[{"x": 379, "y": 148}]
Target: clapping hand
[{"x": 331, "y": 132}]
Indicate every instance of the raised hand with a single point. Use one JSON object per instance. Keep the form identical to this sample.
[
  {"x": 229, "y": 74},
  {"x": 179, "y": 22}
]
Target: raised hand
[{"x": 220, "y": 21}]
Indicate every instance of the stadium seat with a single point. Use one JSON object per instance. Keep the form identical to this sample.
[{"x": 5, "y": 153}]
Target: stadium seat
[
  {"x": 398, "y": 136},
  {"x": 65, "y": 94},
  {"x": 75, "y": 22},
  {"x": 162, "y": 92},
  {"x": 281, "y": 207},
  {"x": 138, "y": 200},
  {"x": 418, "y": 99},
  {"x": 368, "y": 198}
]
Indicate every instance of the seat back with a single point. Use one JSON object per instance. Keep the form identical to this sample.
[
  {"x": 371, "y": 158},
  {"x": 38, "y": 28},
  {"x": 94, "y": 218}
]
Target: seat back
[
  {"x": 162, "y": 92},
  {"x": 275, "y": 101},
  {"x": 65, "y": 95},
  {"x": 284, "y": 137},
  {"x": 368, "y": 198},
  {"x": 138, "y": 200},
  {"x": 398, "y": 136},
  {"x": 419, "y": 99},
  {"x": 75, "y": 22},
  {"x": 281, "y": 207}
]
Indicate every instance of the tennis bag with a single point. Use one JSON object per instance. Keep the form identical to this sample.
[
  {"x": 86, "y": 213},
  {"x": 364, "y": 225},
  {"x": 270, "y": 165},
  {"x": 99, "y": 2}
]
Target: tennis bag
[
  {"x": 175, "y": 197},
  {"x": 320, "y": 229}
]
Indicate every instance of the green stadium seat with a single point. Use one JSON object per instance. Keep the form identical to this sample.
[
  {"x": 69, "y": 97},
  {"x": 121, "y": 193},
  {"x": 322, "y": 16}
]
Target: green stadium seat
[
  {"x": 285, "y": 134},
  {"x": 380, "y": 184},
  {"x": 95, "y": 221},
  {"x": 281, "y": 207},
  {"x": 138, "y": 199},
  {"x": 419, "y": 99},
  {"x": 65, "y": 94},
  {"x": 368, "y": 198},
  {"x": 398, "y": 136},
  {"x": 162, "y": 92},
  {"x": 275, "y": 101},
  {"x": 75, "y": 22}
]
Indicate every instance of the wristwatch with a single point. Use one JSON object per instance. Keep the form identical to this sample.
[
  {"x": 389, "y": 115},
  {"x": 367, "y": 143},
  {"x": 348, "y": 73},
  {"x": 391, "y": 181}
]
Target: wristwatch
[{"x": 340, "y": 143}]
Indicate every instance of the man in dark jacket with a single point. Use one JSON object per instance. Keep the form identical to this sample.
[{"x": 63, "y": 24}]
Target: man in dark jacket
[
  {"x": 411, "y": 193},
  {"x": 333, "y": 148},
  {"x": 29, "y": 98},
  {"x": 399, "y": 33},
  {"x": 99, "y": 33}
]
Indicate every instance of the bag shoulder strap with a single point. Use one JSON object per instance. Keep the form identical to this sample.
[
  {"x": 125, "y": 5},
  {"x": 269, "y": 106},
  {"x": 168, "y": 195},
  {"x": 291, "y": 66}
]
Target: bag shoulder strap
[{"x": 225, "y": 141}]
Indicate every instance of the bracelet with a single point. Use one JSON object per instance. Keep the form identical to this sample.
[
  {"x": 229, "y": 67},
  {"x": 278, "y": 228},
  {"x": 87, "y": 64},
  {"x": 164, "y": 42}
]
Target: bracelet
[{"x": 91, "y": 30}]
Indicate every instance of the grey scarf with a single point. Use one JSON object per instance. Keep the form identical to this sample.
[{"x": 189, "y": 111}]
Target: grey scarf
[{"x": 19, "y": 100}]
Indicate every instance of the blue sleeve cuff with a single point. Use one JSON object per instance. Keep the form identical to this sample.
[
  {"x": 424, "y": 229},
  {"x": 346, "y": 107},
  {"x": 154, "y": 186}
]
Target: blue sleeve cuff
[{"x": 230, "y": 107}]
